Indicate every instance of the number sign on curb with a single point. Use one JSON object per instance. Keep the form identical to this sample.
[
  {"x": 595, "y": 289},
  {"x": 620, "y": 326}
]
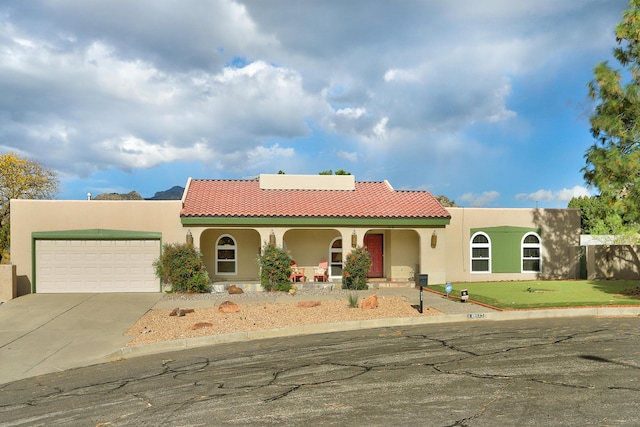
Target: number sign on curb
[{"x": 475, "y": 316}]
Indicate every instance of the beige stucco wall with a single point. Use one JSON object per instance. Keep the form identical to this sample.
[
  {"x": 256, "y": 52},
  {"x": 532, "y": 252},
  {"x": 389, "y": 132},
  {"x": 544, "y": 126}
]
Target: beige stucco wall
[
  {"x": 403, "y": 259},
  {"x": 8, "y": 282},
  {"x": 307, "y": 182},
  {"x": 248, "y": 244},
  {"x": 406, "y": 251},
  {"x": 559, "y": 231},
  {"x": 613, "y": 262},
  {"x": 28, "y": 216}
]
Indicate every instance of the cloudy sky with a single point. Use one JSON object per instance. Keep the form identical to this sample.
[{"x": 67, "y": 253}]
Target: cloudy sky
[{"x": 484, "y": 102}]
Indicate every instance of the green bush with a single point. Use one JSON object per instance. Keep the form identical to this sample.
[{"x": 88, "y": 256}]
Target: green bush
[
  {"x": 352, "y": 298},
  {"x": 355, "y": 269},
  {"x": 181, "y": 265},
  {"x": 275, "y": 269}
]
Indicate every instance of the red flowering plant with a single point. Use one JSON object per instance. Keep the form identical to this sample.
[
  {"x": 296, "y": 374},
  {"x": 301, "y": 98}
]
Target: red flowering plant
[
  {"x": 275, "y": 269},
  {"x": 355, "y": 269}
]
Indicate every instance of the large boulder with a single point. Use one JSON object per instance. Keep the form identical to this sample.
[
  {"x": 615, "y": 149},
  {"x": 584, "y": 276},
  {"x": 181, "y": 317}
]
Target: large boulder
[
  {"x": 308, "y": 304},
  {"x": 234, "y": 290},
  {"x": 228, "y": 307},
  {"x": 370, "y": 302}
]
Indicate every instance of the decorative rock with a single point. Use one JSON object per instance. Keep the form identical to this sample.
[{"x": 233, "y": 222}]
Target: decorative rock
[
  {"x": 234, "y": 290},
  {"x": 228, "y": 307},
  {"x": 217, "y": 289},
  {"x": 201, "y": 325},
  {"x": 308, "y": 304},
  {"x": 180, "y": 312},
  {"x": 370, "y": 302}
]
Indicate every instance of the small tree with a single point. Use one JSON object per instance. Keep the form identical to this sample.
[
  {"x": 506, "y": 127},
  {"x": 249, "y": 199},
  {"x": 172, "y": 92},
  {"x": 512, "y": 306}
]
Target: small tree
[
  {"x": 21, "y": 178},
  {"x": 355, "y": 269},
  {"x": 275, "y": 269},
  {"x": 181, "y": 265}
]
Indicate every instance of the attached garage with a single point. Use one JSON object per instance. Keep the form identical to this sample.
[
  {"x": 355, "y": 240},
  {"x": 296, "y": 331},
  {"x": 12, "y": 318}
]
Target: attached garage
[{"x": 83, "y": 261}]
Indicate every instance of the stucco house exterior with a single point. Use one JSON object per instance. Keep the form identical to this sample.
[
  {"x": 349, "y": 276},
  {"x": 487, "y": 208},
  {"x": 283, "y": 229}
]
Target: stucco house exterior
[{"x": 109, "y": 246}]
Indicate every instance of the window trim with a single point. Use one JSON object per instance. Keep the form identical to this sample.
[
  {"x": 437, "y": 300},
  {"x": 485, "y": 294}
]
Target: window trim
[
  {"x": 524, "y": 245},
  {"x": 235, "y": 255},
  {"x": 473, "y": 246}
]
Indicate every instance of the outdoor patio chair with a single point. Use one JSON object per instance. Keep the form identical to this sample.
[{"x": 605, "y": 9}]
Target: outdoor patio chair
[
  {"x": 297, "y": 273},
  {"x": 320, "y": 272}
]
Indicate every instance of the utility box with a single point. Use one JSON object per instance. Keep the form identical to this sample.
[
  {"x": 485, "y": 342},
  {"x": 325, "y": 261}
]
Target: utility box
[{"x": 423, "y": 280}]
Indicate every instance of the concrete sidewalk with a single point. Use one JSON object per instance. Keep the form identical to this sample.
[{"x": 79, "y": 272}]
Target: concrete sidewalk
[{"x": 44, "y": 333}]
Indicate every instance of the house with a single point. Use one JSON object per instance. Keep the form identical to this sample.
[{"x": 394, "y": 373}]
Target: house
[{"x": 109, "y": 246}]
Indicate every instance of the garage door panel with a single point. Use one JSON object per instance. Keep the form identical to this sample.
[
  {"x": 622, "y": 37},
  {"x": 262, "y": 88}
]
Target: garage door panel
[{"x": 96, "y": 266}]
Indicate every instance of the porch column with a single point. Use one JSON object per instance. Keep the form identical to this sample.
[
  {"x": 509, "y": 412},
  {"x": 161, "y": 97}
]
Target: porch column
[
  {"x": 271, "y": 235},
  {"x": 196, "y": 233}
]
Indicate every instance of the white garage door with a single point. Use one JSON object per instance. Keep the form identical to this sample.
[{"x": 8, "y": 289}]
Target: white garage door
[{"x": 65, "y": 266}]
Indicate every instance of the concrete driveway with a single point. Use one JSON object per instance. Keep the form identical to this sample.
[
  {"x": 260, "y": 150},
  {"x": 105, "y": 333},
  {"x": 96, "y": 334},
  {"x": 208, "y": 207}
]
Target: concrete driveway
[{"x": 44, "y": 333}]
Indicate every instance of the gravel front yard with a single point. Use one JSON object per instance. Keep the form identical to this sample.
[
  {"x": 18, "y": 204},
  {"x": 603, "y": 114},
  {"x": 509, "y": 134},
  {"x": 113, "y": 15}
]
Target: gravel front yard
[{"x": 157, "y": 325}]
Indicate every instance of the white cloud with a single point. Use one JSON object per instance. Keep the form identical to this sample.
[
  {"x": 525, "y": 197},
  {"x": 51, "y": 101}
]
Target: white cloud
[
  {"x": 352, "y": 157},
  {"x": 478, "y": 200},
  {"x": 564, "y": 195},
  {"x": 351, "y": 113},
  {"x": 408, "y": 86}
]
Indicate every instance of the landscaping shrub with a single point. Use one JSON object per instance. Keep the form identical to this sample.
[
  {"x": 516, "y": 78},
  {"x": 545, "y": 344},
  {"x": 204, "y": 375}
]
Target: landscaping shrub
[
  {"x": 355, "y": 269},
  {"x": 181, "y": 265},
  {"x": 275, "y": 269},
  {"x": 352, "y": 298}
]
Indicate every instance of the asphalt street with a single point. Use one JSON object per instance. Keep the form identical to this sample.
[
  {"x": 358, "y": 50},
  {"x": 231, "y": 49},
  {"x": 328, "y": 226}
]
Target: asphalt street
[{"x": 560, "y": 372}]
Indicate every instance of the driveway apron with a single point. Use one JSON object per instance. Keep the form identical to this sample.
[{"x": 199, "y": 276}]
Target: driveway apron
[{"x": 44, "y": 333}]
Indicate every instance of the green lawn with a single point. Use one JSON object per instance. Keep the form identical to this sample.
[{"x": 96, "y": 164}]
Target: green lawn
[{"x": 540, "y": 293}]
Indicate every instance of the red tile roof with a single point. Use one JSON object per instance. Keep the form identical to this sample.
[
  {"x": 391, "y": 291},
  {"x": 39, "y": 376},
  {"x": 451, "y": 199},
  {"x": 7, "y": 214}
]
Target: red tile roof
[{"x": 242, "y": 198}]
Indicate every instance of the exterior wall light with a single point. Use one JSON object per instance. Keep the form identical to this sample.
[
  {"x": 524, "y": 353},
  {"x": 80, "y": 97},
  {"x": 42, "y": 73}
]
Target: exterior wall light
[
  {"x": 189, "y": 238},
  {"x": 354, "y": 239},
  {"x": 434, "y": 239},
  {"x": 272, "y": 238}
]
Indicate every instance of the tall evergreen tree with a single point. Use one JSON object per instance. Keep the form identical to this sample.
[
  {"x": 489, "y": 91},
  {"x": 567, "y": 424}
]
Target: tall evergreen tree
[{"x": 613, "y": 161}]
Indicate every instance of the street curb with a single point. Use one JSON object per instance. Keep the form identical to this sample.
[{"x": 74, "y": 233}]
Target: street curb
[{"x": 190, "y": 343}]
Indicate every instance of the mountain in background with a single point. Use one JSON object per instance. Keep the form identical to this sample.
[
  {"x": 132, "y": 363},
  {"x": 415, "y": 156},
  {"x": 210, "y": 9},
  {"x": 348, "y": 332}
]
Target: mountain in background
[
  {"x": 134, "y": 195},
  {"x": 174, "y": 193}
]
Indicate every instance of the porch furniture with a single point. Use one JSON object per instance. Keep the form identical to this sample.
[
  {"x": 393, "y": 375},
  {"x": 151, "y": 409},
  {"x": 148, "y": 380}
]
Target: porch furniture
[
  {"x": 320, "y": 272},
  {"x": 297, "y": 273}
]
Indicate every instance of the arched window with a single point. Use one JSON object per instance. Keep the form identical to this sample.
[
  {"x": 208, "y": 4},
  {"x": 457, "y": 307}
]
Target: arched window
[
  {"x": 335, "y": 255},
  {"x": 226, "y": 251},
  {"x": 531, "y": 248},
  {"x": 480, "y": 253}
]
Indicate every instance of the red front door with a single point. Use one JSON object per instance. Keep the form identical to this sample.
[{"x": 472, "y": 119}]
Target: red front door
[{"x": 373, "y": 242}]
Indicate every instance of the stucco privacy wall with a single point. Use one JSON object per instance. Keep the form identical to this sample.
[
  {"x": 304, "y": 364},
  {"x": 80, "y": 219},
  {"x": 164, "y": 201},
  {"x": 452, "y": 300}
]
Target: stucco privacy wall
[
  {"x": 8, "y": 282},
  {"x": 613, "y": 262},
  {"x": 559, "y": 232},
  {"x": 29, "y": 216}
]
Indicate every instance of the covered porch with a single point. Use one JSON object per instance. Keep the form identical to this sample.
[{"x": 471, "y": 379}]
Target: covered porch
[{"x": 398, "y": 254}]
